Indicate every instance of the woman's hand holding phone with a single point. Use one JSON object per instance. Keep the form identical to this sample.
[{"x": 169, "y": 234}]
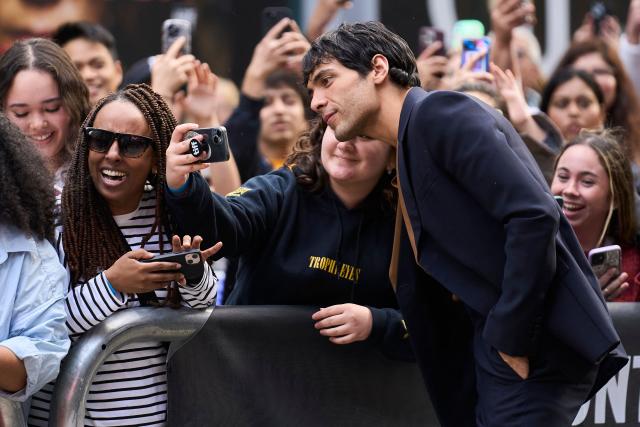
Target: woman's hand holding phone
[
  {"x": 129, "y": 276},
  {"x": 613, "y": 284},
  {"x": 186, "y": 243}
]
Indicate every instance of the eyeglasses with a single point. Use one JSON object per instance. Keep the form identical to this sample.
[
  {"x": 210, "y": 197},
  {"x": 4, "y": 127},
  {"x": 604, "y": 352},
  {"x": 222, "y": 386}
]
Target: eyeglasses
[{"x": 100, "y": 140}]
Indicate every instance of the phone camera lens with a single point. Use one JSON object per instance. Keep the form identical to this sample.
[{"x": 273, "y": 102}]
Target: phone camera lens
[
  {"x": 216, "y": 139},
  {"x": 598, "y": 258},
  {"x": 173, "y": 31}
]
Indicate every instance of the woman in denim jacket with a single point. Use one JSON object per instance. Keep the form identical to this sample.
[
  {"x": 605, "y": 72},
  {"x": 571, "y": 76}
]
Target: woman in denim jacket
[{"x": 33, "y": 335}]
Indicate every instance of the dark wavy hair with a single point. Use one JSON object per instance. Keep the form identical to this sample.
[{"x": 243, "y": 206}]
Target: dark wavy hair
[
  {"x": 625, "y": 111},
  {"x": 46, "y": 56},
  {"x": 306, "y": 163},
  {"x": 355, "y": 45},
  {"x": 26, "y": 186},
  {"x": 91, "y": 238},
  {"x": 563, "y": 75}
]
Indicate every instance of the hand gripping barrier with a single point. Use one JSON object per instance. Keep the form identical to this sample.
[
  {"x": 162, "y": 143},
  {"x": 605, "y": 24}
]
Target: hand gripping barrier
[{"x": 82, "y": 362}]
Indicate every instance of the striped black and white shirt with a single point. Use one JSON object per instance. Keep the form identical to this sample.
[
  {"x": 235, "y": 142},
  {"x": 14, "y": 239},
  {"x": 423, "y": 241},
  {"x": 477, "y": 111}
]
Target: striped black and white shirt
[{"x": 130, "y": 388}]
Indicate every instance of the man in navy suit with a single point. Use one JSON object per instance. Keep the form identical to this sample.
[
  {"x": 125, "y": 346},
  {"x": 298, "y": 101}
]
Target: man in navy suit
[{"x": 505, "y": 315}]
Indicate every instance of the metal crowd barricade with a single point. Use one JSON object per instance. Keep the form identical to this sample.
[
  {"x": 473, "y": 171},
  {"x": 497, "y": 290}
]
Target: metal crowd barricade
[
  {"x": 84, "y": 359},
  {"x": 616, "y": 404},
  {"x": 11, "y": 414}
]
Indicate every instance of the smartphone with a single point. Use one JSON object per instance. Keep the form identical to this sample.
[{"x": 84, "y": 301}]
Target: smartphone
[
  {"x": 604, "y": 258},
  {"x": 598, "y": 12},
  {"x": 429, "y": 35},
  {"x": 215, "y": 144},
  {"x": 272, "y": 15},
  {"x": 559, "y": 200},
  {"x": 470, "y": 47},
  {"x": 174, "y": 28},
  {"x": 191, "y": 263}
]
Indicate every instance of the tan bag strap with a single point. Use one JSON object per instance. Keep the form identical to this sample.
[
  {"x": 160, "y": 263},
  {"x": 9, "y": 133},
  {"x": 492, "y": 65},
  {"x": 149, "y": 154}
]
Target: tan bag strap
[{"x": 401, "y": 215}]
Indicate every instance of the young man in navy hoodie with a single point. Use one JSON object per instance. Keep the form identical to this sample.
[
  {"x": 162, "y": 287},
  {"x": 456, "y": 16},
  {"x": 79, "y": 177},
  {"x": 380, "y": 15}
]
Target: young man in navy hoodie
[{"x": 530, "y": 338}]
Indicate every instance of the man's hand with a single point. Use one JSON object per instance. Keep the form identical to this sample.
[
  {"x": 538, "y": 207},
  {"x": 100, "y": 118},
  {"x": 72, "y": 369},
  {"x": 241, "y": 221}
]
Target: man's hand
[{"x": 519, "y": 364}]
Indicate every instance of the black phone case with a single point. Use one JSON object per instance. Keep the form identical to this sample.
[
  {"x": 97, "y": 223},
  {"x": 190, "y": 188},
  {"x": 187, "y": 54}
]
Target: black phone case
[
  {"x": 192, "y": 265},
  {"x": 216, "y": 141},
  {"x": 272, "y": 15}
]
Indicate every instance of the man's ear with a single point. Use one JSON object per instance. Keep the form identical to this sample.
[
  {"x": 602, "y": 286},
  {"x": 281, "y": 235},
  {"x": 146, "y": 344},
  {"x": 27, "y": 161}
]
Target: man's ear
[{"x": 380, "y": 68}]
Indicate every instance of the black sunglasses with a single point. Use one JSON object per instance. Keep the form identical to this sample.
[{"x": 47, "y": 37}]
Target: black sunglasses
[{"x": 100, "y": 140}]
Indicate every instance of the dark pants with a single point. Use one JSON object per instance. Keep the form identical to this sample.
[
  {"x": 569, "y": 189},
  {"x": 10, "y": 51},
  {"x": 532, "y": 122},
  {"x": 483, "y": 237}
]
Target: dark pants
[{"x": 548, "y": 397}]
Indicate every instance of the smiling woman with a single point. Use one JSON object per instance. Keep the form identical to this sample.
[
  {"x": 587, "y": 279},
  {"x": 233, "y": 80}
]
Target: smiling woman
[
  {"x": 593, "y": 177},
  {"x": 43, "y": 94},
  {"x": 114, "y": 216},
  {"x": 317, "y": 232}
]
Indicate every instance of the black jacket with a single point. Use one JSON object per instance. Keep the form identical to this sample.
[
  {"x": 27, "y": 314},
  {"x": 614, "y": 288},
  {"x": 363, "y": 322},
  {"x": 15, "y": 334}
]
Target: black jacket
[
  {"x": 488, "y": 230},
  {"x": 300, "y": 248}
]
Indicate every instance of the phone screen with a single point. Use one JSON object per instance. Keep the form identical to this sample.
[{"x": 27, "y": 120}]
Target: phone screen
[{"x": 472, "y": 46}]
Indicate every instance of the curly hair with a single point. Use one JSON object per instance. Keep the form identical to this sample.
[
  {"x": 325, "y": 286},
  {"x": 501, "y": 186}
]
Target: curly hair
[
  {"x": 92, "y": 239},
  {"x": 46, "y": 56},
  {"x": 306, "y": 162},
  {"x": 625, "y": 111},
  {"x": 26, "y": 186}
]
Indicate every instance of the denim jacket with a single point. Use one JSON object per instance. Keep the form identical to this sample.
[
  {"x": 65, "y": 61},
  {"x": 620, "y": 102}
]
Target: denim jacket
[{"x": 32, "y": 313}]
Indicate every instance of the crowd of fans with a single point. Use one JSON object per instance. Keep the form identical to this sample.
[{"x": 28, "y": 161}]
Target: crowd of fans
[{"x": 302, "y": 218}]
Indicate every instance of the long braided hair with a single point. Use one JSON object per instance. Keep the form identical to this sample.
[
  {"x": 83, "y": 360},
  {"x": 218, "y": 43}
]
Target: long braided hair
[{"x": 91, "y": 238}]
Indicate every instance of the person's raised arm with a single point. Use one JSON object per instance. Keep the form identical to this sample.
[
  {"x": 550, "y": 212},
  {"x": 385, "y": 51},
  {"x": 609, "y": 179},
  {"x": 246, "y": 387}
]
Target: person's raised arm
[
  {"x": 505, "y": 16},
  {"x": 323, "y": 13}
]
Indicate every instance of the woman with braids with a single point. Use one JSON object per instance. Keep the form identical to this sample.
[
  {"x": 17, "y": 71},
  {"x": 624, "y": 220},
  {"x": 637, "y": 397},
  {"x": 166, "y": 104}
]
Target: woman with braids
[
  {"x": 33, "y": 336},
  {"x": 43, "y": 94},
  {"x": 113, "y": 216},
  {"x": 594, "y": 179},
  {"x": 315, "y": 232}
]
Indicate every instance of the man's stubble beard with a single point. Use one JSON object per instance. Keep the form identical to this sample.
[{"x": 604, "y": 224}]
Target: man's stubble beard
[{"x": 356, "y": 125}]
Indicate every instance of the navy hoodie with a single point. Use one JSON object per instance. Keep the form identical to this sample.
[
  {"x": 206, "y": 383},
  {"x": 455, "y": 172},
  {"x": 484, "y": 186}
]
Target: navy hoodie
[{"x": 296, "y": 247}]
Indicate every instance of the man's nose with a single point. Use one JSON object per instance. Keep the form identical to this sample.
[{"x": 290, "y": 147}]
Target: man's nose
[{"x": 318, "y": 102}]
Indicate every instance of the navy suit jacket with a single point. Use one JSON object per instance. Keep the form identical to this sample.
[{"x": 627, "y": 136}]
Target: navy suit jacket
[{"x": 488, "y": 230}]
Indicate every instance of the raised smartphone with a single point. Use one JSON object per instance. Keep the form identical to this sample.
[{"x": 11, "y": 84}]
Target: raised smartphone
[
  {"x": 174, "y": 28},
  {"x": 604, "y": 258}
]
